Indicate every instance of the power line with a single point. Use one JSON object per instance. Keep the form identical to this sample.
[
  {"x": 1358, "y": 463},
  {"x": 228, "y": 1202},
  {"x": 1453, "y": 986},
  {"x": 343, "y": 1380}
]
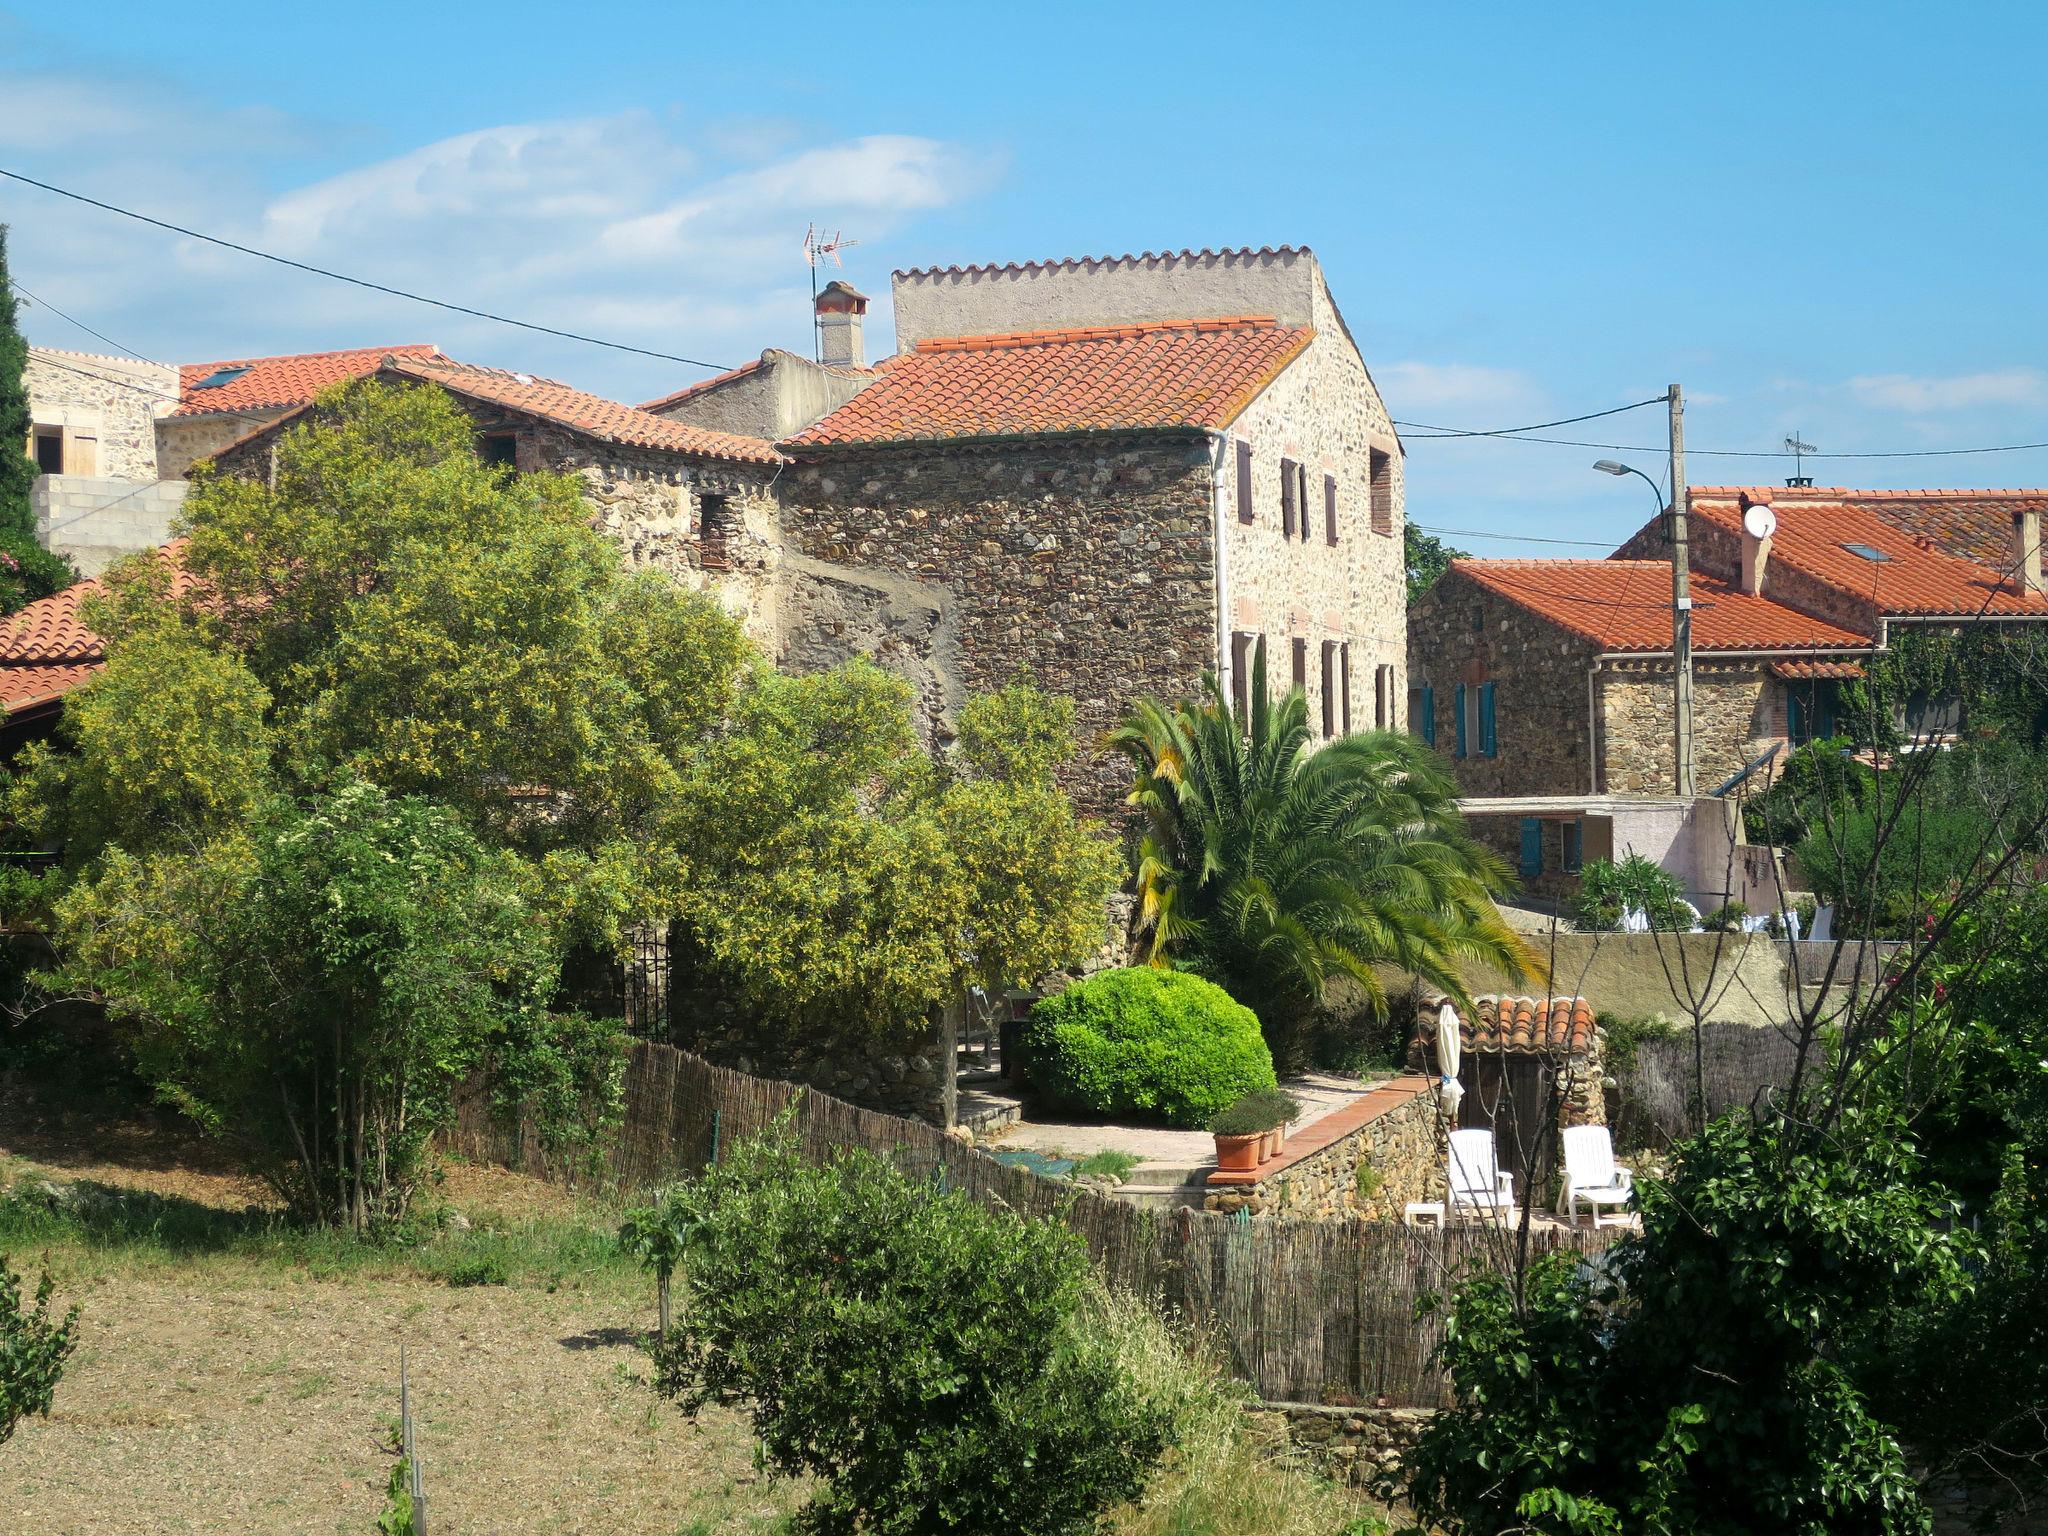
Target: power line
[
  {"x": 360, "y": 282},
  {"x": 1434, "y": 434},
  {"x": 1534, "y": 426},
  {"x": 96, "y": 335},
  {"x": 1517, "y": 538}
]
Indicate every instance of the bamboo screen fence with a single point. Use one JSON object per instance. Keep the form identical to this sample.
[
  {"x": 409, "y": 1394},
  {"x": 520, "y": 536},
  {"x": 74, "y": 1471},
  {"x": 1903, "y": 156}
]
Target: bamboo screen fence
[{"x": 1309, "y": 1311}]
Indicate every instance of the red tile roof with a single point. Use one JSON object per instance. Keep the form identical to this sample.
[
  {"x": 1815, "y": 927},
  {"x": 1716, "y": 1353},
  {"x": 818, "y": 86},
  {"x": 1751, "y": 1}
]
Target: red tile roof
[
  {"x": 46, "y": 650},
  {"x": 1625, "y": 605},
  {"x": 690, "y": 391},
  {"x": 281, "y": 381},
  {"x": 1975, "y": 524},
  {"x": 1808, "y": 671},
  {"x": 1108, "y": 378},
  {"x": 1204, "y": 254},
  {"x": 1523, "y": 1026},
  {"x": 590, "y": 414},
  {"x": 1918, "y": 578}
]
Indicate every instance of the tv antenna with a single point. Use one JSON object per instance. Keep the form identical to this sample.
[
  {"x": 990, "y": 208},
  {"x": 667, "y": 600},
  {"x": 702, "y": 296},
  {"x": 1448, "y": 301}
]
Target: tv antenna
[
  {"x": 820, "y": 247},
  {"x": 1799, "y": 448}
]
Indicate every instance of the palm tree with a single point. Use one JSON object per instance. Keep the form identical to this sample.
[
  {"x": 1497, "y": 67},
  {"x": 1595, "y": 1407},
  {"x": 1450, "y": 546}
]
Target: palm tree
[{"x": 1274, "y": 869}]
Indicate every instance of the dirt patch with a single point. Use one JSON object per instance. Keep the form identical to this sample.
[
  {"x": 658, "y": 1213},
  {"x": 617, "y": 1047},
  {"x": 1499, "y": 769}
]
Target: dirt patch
[{"x": 204, "y": 1400}]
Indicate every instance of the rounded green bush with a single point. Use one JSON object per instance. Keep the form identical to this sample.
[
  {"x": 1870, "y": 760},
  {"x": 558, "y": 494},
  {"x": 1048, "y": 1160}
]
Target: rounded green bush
[{"x": 1146, "y": 1043}]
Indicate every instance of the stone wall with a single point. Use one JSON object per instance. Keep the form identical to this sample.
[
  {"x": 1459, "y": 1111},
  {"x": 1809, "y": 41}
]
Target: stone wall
[
  {"x": 1738, "y": 709},
  {"x": 1084, "y": 565},
  {"x": 1393, "y": 1131},
  {"x": 775, "y": 398},
  {"x": 182, "y": 441},
  {"x": 1351, "y": 1444},
  {"x": 93, "y": 521},
  {"x": 105, "y": 406},
  {"x": 1462, "y": 633}
]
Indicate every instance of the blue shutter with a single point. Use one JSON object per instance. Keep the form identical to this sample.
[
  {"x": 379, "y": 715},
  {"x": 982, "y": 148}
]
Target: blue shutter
[
  {"x": 1459, "y": 714},
  {"x": 1489, "y": 741},
  {"x": 1795, "y": 717},
  {"x": 1428, "y": 715},
  {"x": 1532, "y": 847}
]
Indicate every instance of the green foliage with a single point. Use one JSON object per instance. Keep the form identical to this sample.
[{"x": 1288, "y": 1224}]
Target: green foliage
[
  {"x": 656, "y": 1235},
  {"x": 1244, "y": 1117},
  {"x": 1153, "y": 1044},
  {"x": 1705, "y": 1378},
  {"x": 1108, "y": 1163},
  {"x": 396, "y": 1517},
  {"x": 315, "y": 990},
  {"x": 27, "y": 570},
  {"x": 1365, "y": 1181},
  {"x": 1608, "y": 891},
  {"x": 478, "y": 1269},
  {"x": 925, "y": 1358},
  {"x": 1279, "y": 1106},
  {"x": 1276, "y": 868},
  {"x": 1726, "y": 918},
  {"x": 1821, "y": 774},
  {"x": 33, "y": 1349},
  {"x": 1428, "y": 557}
]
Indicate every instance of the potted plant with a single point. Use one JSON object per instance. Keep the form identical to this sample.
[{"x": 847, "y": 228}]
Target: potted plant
[
  {"x": 1279, "y": 1109},
  {"x": 1240, "y": 1133}
]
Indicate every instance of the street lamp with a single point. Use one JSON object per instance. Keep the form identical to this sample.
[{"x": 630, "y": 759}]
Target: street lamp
[{"x": 1681, "y": 624}]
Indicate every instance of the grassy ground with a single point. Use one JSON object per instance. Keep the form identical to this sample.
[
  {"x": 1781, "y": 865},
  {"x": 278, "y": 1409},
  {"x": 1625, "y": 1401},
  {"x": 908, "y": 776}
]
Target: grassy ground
[{"x": 235, "y": 1373}]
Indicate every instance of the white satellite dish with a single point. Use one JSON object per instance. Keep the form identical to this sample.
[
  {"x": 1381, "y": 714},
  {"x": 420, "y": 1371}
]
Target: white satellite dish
[{"x": 1760, "y": 521}]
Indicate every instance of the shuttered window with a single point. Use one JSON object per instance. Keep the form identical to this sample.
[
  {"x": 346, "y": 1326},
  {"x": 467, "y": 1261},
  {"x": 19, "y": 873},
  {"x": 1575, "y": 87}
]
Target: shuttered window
[
  {"x": 1458, "y": 714},
  {"x": 1532, "y": 848},
  {"x": 1329, "y": 688},
  {"x": 1242, "y": 647},
  {"x": 1344, "y": 675},
  {"x": 1244, "y": 481},
  {"x": 1422, "y": 713},
  {"x": 1289, "y": 481},
  {"x": 1330, "y": 509},
  {"x": 1489, "y": 739},
  {"x": 1381, "y": 466},
  {"x": 1301, "y": 663}
]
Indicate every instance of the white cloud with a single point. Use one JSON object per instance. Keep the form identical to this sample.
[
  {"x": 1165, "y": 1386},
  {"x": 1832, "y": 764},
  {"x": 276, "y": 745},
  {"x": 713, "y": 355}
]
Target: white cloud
[
  {"x": 1958, "y": 392},
  {"x": 1463, "y": 395}
]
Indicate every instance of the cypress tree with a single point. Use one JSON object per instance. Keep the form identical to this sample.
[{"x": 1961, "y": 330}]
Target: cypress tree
[{"x": 27, "y": 570}]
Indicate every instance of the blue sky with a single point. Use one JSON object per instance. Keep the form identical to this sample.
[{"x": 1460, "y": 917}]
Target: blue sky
[{"x": 1819, "y": 218}]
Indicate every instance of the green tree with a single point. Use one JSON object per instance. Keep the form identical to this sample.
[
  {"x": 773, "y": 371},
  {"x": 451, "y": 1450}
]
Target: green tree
[
  {"x": 27, "y": 570},
  {"x": 33, "y": 1349},
  {"x": 925, "y": 1358},
  {"x": 1428, "y": 557},
  {"x": 316, "y": 988},
  {"x": 1273, "y": 866}
]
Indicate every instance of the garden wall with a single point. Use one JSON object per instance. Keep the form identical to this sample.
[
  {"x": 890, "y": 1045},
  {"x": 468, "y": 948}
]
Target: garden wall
[
  {"x": 1649, "y": 1096},
  {"x": 1392, "y": 1132},
  {"x": 1306, "y": 1310}
]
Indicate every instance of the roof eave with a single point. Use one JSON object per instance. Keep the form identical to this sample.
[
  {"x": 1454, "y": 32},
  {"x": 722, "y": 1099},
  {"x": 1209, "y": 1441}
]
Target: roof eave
[{"x": 797, "y": 450}]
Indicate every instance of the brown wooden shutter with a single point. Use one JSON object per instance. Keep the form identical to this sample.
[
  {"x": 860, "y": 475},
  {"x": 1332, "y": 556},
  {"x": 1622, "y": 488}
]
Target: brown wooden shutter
[
  {"x": 1288, "y": 480},
  {"x": 1330, "y": 508},
  {"x": 1244, "y": 481}
]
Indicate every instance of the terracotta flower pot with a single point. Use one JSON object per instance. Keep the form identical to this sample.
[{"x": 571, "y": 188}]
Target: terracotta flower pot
[
  {"x": 1237, "y": 1154},
  {"x": 1279, "y": 1138},
  {"x": 1266, "y": 1147}
]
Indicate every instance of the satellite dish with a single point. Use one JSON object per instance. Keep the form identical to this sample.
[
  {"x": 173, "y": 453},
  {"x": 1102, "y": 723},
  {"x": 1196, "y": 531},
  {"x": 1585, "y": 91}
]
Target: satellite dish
[{"x": 1760, "y": 522}]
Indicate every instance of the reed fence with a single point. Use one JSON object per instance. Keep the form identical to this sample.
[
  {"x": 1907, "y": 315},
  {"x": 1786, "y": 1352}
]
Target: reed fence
[{"x": 1309, "y": 1311}]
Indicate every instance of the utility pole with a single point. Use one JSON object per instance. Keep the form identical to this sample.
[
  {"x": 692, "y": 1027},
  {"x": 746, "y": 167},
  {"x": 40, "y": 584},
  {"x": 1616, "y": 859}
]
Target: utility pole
[{"x": 1681, "y": 604}]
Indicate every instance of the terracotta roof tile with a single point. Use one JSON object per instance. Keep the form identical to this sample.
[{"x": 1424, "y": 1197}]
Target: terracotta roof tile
[
  {"x": 1162, "y": 374},
  {"x": 591, "y": 414},
  {"x": 1625, "y": 605},
  {"x": 1205, "y": 254},
  {"x": 1920, "y": 577},
  {"x": 1517, "y": 1026},
  {"x": 281, "y": 381},
  {"x": 46, "y": 649},
  {"x": 690, "y": 391},
  {"x": 1808, "y": 671}
]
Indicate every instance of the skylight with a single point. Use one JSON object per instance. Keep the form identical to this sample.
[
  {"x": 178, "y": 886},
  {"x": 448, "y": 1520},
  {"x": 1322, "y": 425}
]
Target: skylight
[
  {"x": 219, "y": 377},
  {"x": 1865, "y": 552}
]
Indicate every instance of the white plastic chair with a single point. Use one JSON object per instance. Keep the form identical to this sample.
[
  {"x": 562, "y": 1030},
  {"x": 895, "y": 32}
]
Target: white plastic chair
[
  {"x": 1473, "y": 1175},
  {"x": 1590, "y": 1175}
]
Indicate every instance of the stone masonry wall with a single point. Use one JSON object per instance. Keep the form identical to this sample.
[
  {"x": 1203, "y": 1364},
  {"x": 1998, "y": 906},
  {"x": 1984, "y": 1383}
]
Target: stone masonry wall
[
  {"x": 105, "y": 406},
  {"x": 1083, "y": 564},
  {"x": 182, "y": 441},
  {"x": 1323, "y": 413},
  {"x": 1460, "y": 632},
  {"x": 1738, "y": 709},
  {"x": 1350, "y": 1444},
  {"x": 1397, "y": 1140}
]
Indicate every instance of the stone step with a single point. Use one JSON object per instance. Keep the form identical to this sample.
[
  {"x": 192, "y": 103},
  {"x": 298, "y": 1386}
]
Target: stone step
[{"x": 1163, "y": 1196}]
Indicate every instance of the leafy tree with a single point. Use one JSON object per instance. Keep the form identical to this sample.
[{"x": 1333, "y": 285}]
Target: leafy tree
[
  {"x": 316, "y": 988},
  {"x": 33, "y": 1349},
  {"x": 27, "y": 570},
  {"x": 1608, "y": 891},
  {"x": 657, "y": 1235},
  {"x": 1428, "y": 557},
  {"x": 925, "y": 1358},
  {"x": 1272, "y": 866}
]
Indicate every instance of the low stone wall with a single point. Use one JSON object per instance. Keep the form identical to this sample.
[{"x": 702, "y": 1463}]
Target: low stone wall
[
  {"x": 1391, "y": 1131},
  {"x": 1356, "y": 1445}
]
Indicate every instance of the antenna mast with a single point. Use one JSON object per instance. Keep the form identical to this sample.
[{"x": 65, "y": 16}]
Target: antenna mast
[
  {"x": 1798, "y": 448},
  {"x": 819, "y": 247}
]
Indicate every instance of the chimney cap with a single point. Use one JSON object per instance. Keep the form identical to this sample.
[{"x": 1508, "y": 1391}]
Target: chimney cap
[{"x": 838, "y": 297}]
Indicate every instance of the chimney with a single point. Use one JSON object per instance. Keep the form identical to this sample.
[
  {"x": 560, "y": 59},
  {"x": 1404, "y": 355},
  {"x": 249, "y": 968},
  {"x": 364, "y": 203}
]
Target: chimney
[
  {"x": 839, "y": 310},
  {"x": 1759, "y": 522},
  {"x": 2026, "y": 551}
]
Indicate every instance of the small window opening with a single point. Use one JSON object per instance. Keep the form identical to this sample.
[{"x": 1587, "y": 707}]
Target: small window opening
[{"x": 50, "y": 450}]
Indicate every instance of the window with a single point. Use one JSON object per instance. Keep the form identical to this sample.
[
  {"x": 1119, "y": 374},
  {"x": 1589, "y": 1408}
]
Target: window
[
  {"x": 1478, "y": 619},
  {"x": 1344, "y": 684},
  {"x": 1329, "y": 688},
  {"x": 713, "y": 523},
  {"x": 1931, "y": 716},
  {"x": 1300, "y": 648},
  {"x": 1244, "y": 481},
  {"x": 500, "y": 450},
  {"x": 221, "y": 377},
  {"x": 1242, "y": 644},
  {"x": 1381, "y": 467},
  {"x": 50, "y": 450},
  {"x": 1330, "y": 510},
  {"x": 1574, "y": 847},
  {"x": 1530, "y": 865},
  {"x": 1477, "y": 736},
  {"x": 1809, "y": 712},
  {"x": 1289, "y": 481},
  {"x": 1489, "y": 738},
  {"x": 1301, "y": 500},
  {"x": 1382, "y": 696},
  {"x": 1422, "y": 713}
]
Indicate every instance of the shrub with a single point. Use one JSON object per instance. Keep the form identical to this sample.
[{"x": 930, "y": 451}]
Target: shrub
[
  {"x": 926, "y": 1358},
  {"x": 1149, "y": 1043},
  {"x": 32, "y": 1351},
  {"x": 1608, "y": 892},
  {"x": 1262, "y": 1109},
  {"x": 1726, "y": 918}
]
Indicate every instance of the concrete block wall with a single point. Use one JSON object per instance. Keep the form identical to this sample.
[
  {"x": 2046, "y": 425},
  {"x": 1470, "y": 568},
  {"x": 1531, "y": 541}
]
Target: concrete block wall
[{"x": 95, "y": 521}]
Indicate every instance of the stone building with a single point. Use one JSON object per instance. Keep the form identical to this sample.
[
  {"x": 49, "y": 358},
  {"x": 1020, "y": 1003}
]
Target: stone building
[
  {"x": 1110, "y": 475},
  {"x": 92, "y": 438}
]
